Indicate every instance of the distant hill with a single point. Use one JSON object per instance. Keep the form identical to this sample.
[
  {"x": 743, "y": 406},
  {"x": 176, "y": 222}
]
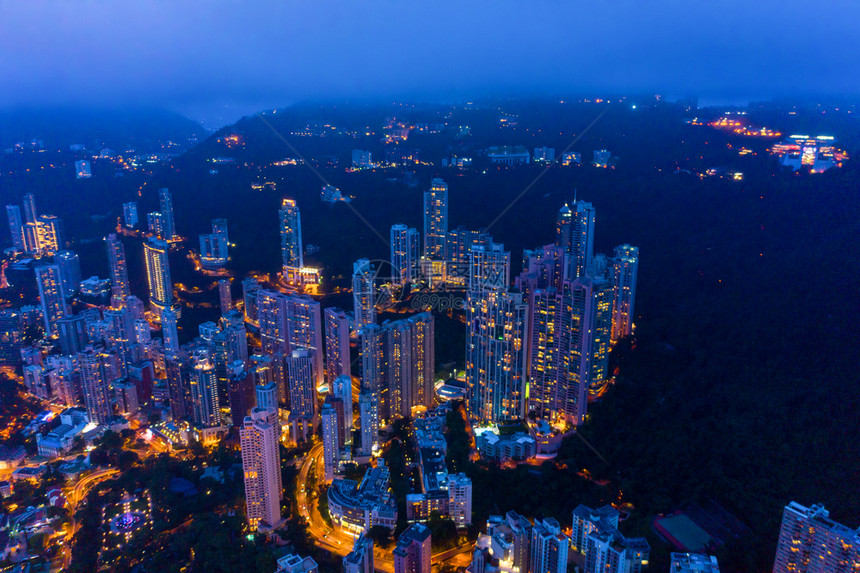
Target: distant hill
[{"x": 143, "y": 129}]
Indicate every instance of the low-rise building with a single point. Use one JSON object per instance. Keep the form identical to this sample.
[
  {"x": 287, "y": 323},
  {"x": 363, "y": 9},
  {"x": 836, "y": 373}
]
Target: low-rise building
[
  {"x": 296, "y": 564},
  {"x": 518, "y": 446},
  {"x": 358, "y": 507},
  {"x": 693, "y": 563}
]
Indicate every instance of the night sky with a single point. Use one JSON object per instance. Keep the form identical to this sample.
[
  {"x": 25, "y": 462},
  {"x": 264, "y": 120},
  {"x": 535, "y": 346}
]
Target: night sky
[{"x": 197, "y": 56}]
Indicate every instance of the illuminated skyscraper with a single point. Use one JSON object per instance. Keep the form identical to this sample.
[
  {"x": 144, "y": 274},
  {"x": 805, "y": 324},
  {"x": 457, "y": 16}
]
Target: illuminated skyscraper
[
  {"x": 30, "y": 213},
  {"x": 341, "y": 389},
  {"x": 16, "y": 227},
  {"x": 272, "y": 317},
  {"x": 224, "y": 296},
  {"x": 811, "y": 542},
  {"x": 155, "y": 224},
  {"x": 169, "y": 330},
  {"x": 168, "y": 224},
  {"x": 423, "y": 358},
  {"x": 261, "y": 466},
  {"x": 625, "y": 266},
  {"x": 368, "y": 412},
  {"x": 304, "y": 330},
  {"x": 158, "y": 274},
  {"x": 363, "y": 295},
  {"x": 459, "y": 248},
  {"x": 49, "y": 229},
  {"x": 291, "y": 235},
  {"x": 129, "y": 213},
  {"x": 213, "y": 251},
  {"x": 303, "y": 387},
  {"x": 489, "y": 268},
  {"x": 436, "y": 220},
  {"x": 398, "y": 364},
  {"x": 337, "y": 361},
  {"x": 118, "y": 267},
  {"x": 96, "y": 385},
  {"x": 70, "y": 270},
  {"x": 577, "y": 236},
  {"x": 51, "y": 295},
  {"x": 331, "y": 446},
  {"x": 460, "y": 499},
  {"x": 568, "y": 344},
  {"x": 495, "y": 339},
  {"x": 205, "y": 406},
  {"x": 404, "y": 254}
]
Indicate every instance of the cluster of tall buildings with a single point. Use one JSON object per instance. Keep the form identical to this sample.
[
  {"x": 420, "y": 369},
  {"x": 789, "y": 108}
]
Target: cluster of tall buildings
[
  {"x": 513, "y": 543},
  {"x": 214, "y": 246},
  {"x": 162, "y": 223},
  {"x": 34, "y": 234},
  {"x": 536, "y": 343},
  {"x": 547, "y": 336}
]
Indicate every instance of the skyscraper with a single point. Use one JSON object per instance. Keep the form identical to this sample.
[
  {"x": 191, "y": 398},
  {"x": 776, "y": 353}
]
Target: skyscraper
[
  {"x": 548, "y": 547},
  {"x": 495, "y": 339},
  {"x": 51, "y": 295},
  {"x": 363, "y": 295},
  {"x": 436, "y": 220},
  {"x": 224, "y": 296},
  {"x": 95, "y": 383},
  {"x": 404, "y": 254},
  {"x": 30, "y": 213},
  {"x": 261, "y": 466},
  {"x": 568, "y": 344},
  {"x": 250, "y": 289},
  {"x": 337, "y": 362},
  {"x": 16, "y": 227},
  {"x": 129, "y": 213},
  {"x": 360, "y": 559},
  {"x": 460, "y": 499},
  {"x": 291, "y": 235},
  {"x": 368, "y": 412},
  {"x": 291, "y": 322},
  {"x": 302, "y": 378},
  {"x": 205, "y": 403},
  {"x": 459, "y": 248},
  {"x": 158, "y": 275},
  {"x": 811, "y": 542},
  {"x": 625, "y": 265},
  {"x": 70, "y": 270},
  {"x": 341, "y": 389},
  {"x": 73, "y": 335},
  {"x": 331, "y": 445},
  {"x": 49, "y": 230},
  {"x": 423, "y": 328},
  {"x": 267, "y": 396},
  {"x": 170, "y": 330},
  {"x": 118, "y": 267},
  {"x": 168, "y": 225},
  {"x": 412, "y": 553},
  {"x": 580, "y": 239},
  {"x": 213, "y": 251}
]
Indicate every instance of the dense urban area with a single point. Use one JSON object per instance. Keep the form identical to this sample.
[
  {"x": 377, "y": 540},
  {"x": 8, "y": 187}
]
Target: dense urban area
[{"x": 414, "y": 337}]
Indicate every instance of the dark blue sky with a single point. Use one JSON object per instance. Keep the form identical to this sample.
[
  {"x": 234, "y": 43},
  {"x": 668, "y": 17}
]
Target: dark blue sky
[{"x": 196, "y": 56}]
